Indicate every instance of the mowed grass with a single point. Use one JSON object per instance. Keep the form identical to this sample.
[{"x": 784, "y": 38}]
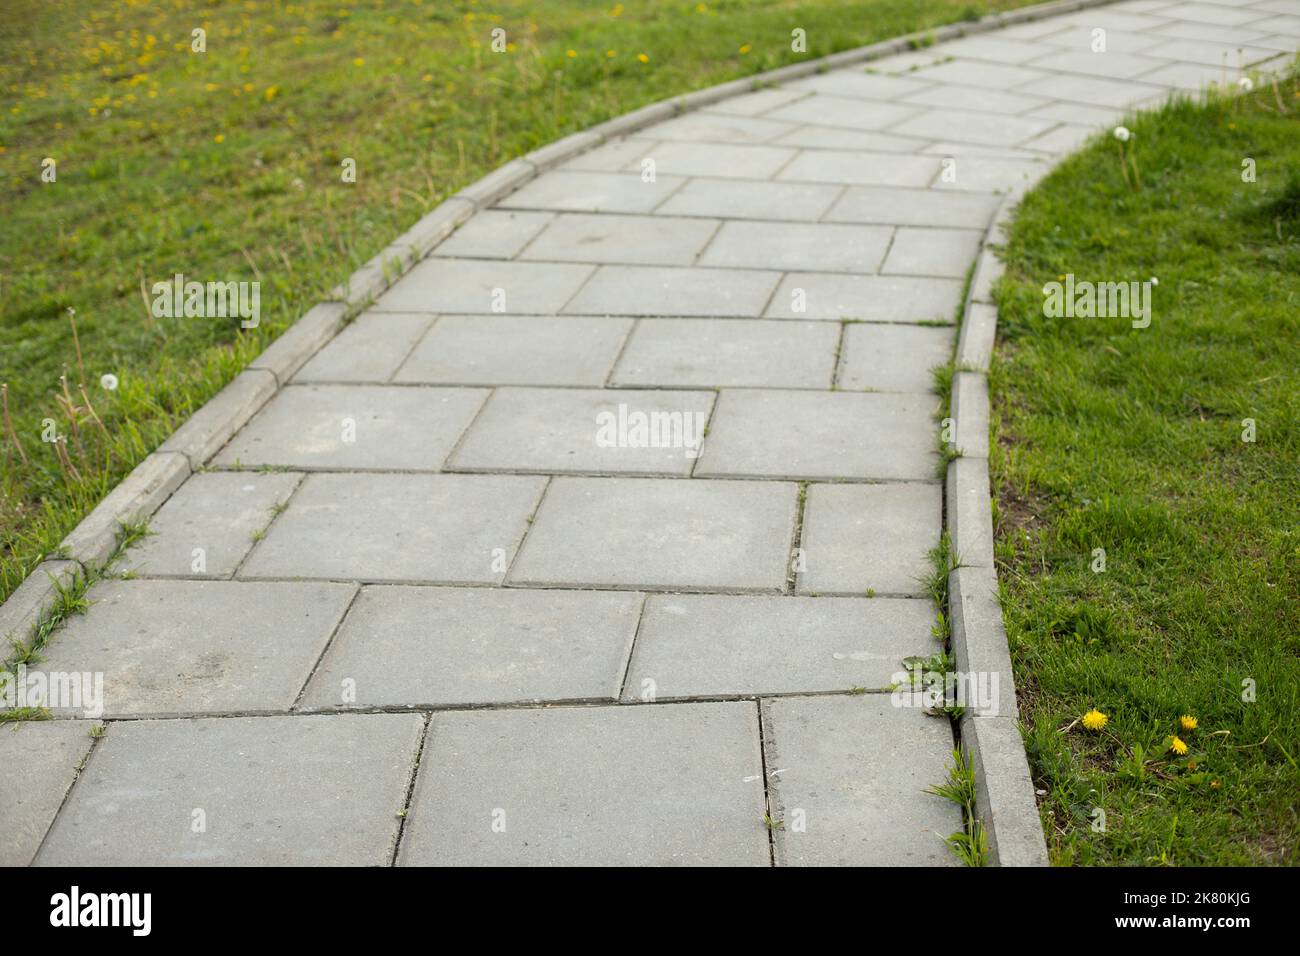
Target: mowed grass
[
  {"x": 1131, "y": 440},
  {"x": 226, "y": 165}
]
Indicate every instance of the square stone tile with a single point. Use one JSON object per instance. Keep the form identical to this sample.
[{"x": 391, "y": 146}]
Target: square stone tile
[
  {"x": 850, "y": 113},
  {"x": 1111, "y": 63},
  {"x": 654, "y": 290},
  {"x": 708, "y": 353},
  {"x": 891, "y": 358},
  {"x": 856, "y": 82},
  {"x": 182, "y": 647},
  {"x": 655, "y": 533},
  {"x": 355, "y": 426},
  {"x": 704, "y": 645},
  {"x": 369, "y": 349},
  {"x": 919, "y": 251},
  {"x": 208, "y": 526},
  {"x": 672, "y": 785},
  {"x": 993, "y": 129},
  {"x": 977, "y": 98},
  {"x": 788, "y": 434},
  {"x": 40, "y": 758},
  {"x": 581, "y": 191},
  {"x": 734, "y": 199},
  {"x": 857, "y": 769},
  {"x": 485, "y": 285},
  {"x": 646, "y": 240},
  {"x": 914, "y": 207},
  {"x": 575, "y": 431},
  {"x": 516, "y": 350},
  {"x": 798, "y": 246},
  {"x": 494, "y": 234},
  {"x": 871, "y": 169},
  {"x": 274, "y": 791},
  {"x": 997, "y": 76},
  {"x": 825, "y": 295},
  {"x": 430, "y": 529},
  {"x": 859, "y": 538},
  {"x": 718, "y": 160},
  {"x": 707, "y": 126},
  {"x": 407, "y": 646}
]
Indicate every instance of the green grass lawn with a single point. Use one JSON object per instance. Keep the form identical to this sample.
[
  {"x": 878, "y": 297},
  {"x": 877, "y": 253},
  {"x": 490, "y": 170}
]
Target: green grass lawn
[
  {"x": 1131, "y": 440},
  {"x": 226, "y": 165}
]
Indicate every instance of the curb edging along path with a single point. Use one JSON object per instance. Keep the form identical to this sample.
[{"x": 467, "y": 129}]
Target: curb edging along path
[{"x": 1005, "y": 794}]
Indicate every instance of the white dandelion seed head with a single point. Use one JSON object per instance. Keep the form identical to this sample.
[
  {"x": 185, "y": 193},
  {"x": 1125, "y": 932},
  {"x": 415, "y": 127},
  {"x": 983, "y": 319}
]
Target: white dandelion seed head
[
  {"x": 1122, "y": 133},
  {"x": 108, "y": 382},
  {"x": 1246, "y": 83}
]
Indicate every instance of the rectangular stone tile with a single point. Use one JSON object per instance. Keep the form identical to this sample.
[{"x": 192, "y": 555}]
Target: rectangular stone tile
[
  {"x": 209, "y": 525},
  {"x": 717, "y": 160},
  {"x": 432, "y": 529},
  {"x": 274, "y": 791},
  {"x": 991, "y": 129},
  {"x": 798, "y": 246},
  {"x": 1214, "y": 13},
  {"x": 355, "y": 426},
  {"x": 1115, "y": 19},
  {"x": 566, "y": 431},
  {"x": 758, "y": 102},
  {"x": 850, "y": 113},
  {"x": 914, "y": 207},
  {"x": 494, "y": 234},
  {"x": 705, "y": 645},
  {"x": 857, "y": 770},
  {"x": 708, "y": 353},
  {"x": 516, "y": 350},
  {"x": 612, "y": 157},
  {"x": 993, "y": 48},
  {"x": 1285, "y": 25},
  {"x": 485, "y": 285},
  {"x": 1096, "y": 91},
  {"x": 787, "y": 434},
  {"x": 891, "y": 358},
  {"x": 651, "y": 290},
  {"x": 1192, "y": 77},
  {"x": 1218, "y": 55},
  {"x": 1110, "y": 63},
  {"x": 873, "y": 298},
  {"x": 982, "y": 174},
  {"x": 40, "y": 758},
  {"x": 998, "y": 76},
  {"x": 575, "y": 191},
  {"x": 369, "y": 349},
  {"x": 649, "y": 533},
  {"x": 788, "y": 202},
  {"x": 708, "y": 126},
  {"x": 932, "y": 252},
  {"x": 673, "y": 785},
  {"x": 1094, "y": 116},
  {"x": 860, "y": 168},
  {"x": 860, "y": 538},
  {"x": 855, "y": 82},
  {"x": 1064, "y": 139},
  {"x": 646, "y": 240},
  {"x": 1081, "y": 39},
  {"x": 834, "y": 137},
  {"x": 978, "y": 98},
  {"x": 183, "y": 647},
  {"x": 409, "y": 646}
]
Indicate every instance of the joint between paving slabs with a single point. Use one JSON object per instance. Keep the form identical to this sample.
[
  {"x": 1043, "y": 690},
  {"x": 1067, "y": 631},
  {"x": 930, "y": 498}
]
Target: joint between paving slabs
[
  {"x": 796, "y": 538},
  {"x": 276, "y": 510},
  {"x": 95, "y": 738},
  {"x": 769, "y": 808},
  {"x": 338, "y": 626},
  {"x": 528, "y": 527},
  {"x": 631, "y": 650},
  {"x": 405, "y": 812}
]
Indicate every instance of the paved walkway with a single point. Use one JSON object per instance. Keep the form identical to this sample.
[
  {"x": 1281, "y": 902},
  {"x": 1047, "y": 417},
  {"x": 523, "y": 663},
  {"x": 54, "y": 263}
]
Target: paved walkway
[{"x": 605, "y": 515}]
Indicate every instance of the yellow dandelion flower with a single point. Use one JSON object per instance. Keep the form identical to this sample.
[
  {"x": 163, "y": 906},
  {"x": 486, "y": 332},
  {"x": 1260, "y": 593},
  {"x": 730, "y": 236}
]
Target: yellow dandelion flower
[
  {"x": 359, "y": 61},
  {"x": 643, "y": 58},
  {"x": 611, "y": 53},
  {"x": 1095, "y": 720},
  {"x": 1187, "y": 722},
  {"x": 428, "y": 77},
  {"x": 571, "y": 54},
  {"x": 219, "y": 138},
  {"x": 1177, "y": 746},
  {"x": 745, "y": 49},
  {"x": 1215, "y": 784},
  {"x": 270, "y": 93}
]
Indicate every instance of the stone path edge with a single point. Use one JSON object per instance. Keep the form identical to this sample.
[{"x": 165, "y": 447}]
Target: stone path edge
[
  {"x": 1004, "y": 790},
  {"x": 142, "y": 492}
]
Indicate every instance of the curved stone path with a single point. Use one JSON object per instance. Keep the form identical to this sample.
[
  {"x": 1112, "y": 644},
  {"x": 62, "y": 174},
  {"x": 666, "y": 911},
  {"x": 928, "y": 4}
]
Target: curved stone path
[{"x": 607, "y": 519}]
